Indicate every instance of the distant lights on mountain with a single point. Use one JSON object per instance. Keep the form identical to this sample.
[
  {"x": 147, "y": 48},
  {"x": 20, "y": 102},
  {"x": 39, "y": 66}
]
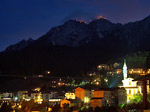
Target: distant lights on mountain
[
  {"x": 87, "y": 21},
  {"x": 81, "y": 21},
  {"x": 101, "y": 17}
]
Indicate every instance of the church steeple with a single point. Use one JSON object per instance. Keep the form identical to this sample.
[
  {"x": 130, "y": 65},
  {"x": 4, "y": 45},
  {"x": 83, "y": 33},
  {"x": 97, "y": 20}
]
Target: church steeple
[{"x": 125, "y": 70}]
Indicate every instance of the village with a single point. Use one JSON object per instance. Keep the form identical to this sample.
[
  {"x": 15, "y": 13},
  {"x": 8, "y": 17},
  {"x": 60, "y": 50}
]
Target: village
[{"x": 84, "y": 95}]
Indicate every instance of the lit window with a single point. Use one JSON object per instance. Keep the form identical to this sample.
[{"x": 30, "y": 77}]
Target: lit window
[
  {"x": 147, "y": 81},
  {"x": 133, "y": 91},
  {"x": 129, "y": 91},
  {"x": 129, "y": 83}
]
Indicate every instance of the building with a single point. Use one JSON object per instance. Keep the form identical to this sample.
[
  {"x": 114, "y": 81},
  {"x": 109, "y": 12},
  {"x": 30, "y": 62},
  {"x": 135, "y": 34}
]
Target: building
[
  {"x": 83, "y": 94},
  {"x": 22, "y": 95},
  {"x": 108, "y": 97},
  {"x": 125, "y": 70},
  {"x": 145, "y": 80},
  {"x": 54, "y": 101},
  {"x": 49, "y": 95},
  {"x": 7, "y": 96},
  {"x": 119, "y": 96},
  {"x": 46, "y": 96},
  {"x": 94, "y": 102},
  {"x": 130, "y": 85},
  {"x": 97, "y": 99},
  {"x": 131, "y": 88},
  {"x": 118, "y": 71},
  {"x": 70, "y": 95},
  {"x": 37, "y": 97},
  {"x": 65, "y": 101},
  {"x": 102, "y": 67},
  {"x": 138, "y": 71},
  {"x": 71, "y": 102}
]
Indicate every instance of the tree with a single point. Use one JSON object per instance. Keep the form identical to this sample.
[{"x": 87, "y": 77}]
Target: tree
[{"x": 136, "y": 98}]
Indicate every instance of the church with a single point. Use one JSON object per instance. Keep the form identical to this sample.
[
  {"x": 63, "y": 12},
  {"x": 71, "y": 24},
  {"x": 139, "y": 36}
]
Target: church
[{"x": 129, "y": 84}]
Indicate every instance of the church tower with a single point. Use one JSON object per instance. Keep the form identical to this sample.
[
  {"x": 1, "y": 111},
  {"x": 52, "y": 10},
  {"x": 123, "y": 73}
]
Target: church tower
[
  {"x": 129, "y": 84},
  {"x": 125, "y": 71}
]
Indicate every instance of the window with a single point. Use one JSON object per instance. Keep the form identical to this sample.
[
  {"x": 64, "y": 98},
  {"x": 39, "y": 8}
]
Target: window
[
  {"x": 129, "y": 83},
  {"x": 129, "y": 91},
  {"x": 133, "y": 91},
  {"x": 147, "y": 81}
]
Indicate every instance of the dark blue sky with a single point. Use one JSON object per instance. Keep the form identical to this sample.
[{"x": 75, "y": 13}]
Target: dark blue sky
[{"x": 21, "y": 19}]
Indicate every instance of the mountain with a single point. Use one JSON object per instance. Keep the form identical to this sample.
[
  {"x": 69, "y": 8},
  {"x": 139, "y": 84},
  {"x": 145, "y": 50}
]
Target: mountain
[
  {"x": 76, "y": 47},
  {"x": 22, "y": 44},
  {"x": 75, "y": 33},
  {"x": 138, "y": 34}
]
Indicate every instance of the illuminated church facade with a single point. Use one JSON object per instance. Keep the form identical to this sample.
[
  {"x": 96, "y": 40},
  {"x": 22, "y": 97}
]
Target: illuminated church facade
[{"x": 131, "y": 86}]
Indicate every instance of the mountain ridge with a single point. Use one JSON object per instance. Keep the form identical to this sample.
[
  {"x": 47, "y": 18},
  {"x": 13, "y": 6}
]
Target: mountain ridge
[
  {"x": 76, "y": 47},
  {"x": 83, "y": 27}
]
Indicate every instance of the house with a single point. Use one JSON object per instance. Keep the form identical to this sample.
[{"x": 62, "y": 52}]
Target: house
[
  {"x": 136, "y": 71},
  {"x": 71, "y": 102},
  {"x": 103, "y": 67},
  {"x": 108, "y": 97},
  {"x": 119, "y": 96},
  {"x": 46, "y": 96},
  {"x": 37, "y": 97},
  {"x": 101, "y": 98},
  {"x": 22, "y": 95},
  {"x": 94, "y": 102},
  {"x": 49, "y": 95},
  {"x": 54, "y": 101},
  {"x": 82, "y": 94},
  {"x": 65, "y": 101},
  {"x": 70, "y": 95},
  {"x": 7, "y": 96}
]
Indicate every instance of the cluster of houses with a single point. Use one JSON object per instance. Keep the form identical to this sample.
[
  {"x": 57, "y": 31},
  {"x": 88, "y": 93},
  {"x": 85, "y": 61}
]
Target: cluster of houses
[
  {"x": 81, "y": 96},
  {"x": 78, "y": 97},
  {"x": 117, "y": 70}
]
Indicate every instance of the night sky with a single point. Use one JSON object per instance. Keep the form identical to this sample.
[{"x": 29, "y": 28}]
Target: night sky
[{"x": 22, "y": 19}]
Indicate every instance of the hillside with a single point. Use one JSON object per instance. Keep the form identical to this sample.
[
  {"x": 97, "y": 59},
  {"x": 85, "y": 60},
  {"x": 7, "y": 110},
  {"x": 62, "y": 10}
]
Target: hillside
[{"x": 75, "y": 47}]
